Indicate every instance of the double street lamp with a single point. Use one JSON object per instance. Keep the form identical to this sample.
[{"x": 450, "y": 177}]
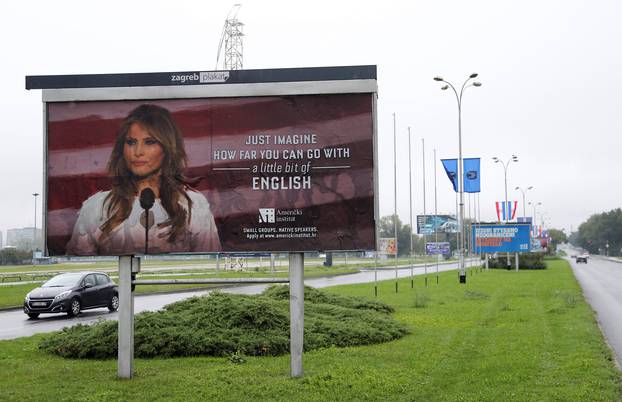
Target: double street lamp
[
  {"x": 506, "y": 207},
  {"x": 467, "y": 83},
  {"x": 506, "y": 165},
  {"x": 534, "y": 220},
  {"x": 524, "y": 205}
]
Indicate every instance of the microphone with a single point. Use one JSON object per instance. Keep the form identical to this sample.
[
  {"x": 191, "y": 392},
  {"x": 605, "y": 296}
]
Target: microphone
[{"x": 147, "y": 198}]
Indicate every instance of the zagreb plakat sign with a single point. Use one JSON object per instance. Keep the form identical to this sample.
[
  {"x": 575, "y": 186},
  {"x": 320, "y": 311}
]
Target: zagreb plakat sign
[
  {"x": 291, "y": 172},
  {"x": 502, "y": 238}
]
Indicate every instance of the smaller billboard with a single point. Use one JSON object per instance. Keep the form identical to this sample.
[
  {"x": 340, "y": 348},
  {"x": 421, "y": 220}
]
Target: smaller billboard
[
  {"x": 387, "y": 245},
  {"x": 511, "y": 238},
  {"x": 430, "y": 224},
  {"x": 536, "y": 245},
  {"x": 436, "y": 248}
]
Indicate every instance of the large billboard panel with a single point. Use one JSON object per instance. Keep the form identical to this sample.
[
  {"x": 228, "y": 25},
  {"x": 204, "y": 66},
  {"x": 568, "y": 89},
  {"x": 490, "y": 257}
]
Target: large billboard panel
[
  {"x": 511, "y": 238},
  {"x": 430, "y": 224},
  {"x": 231, "y": 174}
]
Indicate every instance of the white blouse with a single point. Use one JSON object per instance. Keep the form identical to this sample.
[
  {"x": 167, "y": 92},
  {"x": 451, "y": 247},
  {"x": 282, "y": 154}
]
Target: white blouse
[{"x": 129, "y": 236}]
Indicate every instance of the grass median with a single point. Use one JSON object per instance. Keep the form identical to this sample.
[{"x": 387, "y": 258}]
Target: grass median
[{"x": 503, "y": 336}]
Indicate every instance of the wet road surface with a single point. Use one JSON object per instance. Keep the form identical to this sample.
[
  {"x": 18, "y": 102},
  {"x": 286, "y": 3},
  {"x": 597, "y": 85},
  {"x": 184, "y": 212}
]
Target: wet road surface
[{"x": 601, "y": 281}]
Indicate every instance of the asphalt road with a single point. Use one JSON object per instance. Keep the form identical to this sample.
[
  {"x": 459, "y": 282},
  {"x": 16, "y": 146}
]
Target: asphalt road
[
  {"x": 15, "y": 323},
  {"x": 601, "y": 281}
]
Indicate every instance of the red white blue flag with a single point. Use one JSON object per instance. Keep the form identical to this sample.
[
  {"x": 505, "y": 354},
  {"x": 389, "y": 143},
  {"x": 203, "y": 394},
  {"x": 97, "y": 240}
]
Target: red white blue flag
[{"x": 504, "y": 210}]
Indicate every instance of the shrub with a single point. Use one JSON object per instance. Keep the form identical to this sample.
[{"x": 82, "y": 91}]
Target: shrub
[
  {"x": 525, "y": 261},
  {"x": 235, "y": 325}
]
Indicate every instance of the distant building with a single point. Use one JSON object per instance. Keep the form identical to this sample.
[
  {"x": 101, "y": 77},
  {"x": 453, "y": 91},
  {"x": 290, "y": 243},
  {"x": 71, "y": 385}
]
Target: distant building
[{"x": 23, "y": 238}]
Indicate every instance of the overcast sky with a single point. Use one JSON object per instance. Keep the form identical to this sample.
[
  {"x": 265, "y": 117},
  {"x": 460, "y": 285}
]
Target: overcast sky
[{"x": 551, "y": 74}]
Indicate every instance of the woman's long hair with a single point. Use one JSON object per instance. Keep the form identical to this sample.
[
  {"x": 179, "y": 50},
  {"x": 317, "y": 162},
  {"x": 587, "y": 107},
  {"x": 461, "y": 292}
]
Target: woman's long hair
[{"x": 160, "y": 125}]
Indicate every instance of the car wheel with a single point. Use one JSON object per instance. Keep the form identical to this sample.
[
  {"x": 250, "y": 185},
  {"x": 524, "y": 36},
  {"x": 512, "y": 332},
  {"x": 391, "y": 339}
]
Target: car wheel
[
  {"x": 74, "y": 307},
  {"x": 114, "y": 303},
  {"x": 33, "y": 315}
]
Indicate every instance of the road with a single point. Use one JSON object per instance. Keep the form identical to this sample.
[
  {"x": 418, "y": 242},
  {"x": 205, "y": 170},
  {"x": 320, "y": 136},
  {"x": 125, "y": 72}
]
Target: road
[
  {"x": 16, "y": 324},
  {"x": 601, "y": 281}
]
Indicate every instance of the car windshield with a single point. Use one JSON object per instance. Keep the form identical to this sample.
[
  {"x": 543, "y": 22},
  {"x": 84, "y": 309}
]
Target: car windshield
[{"x": 63, "y": 280}]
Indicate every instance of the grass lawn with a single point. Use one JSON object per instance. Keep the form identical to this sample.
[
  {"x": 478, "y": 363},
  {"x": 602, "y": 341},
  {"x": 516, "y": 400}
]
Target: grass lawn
[{"x": 504, "y": 336}]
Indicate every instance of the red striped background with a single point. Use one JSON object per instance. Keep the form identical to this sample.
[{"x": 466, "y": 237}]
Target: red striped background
[{"x": 340, "y": 202}]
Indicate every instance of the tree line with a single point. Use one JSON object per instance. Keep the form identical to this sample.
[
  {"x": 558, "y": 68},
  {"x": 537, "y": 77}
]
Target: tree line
[
  {"x": 12, "y": 256},
  {"x": 601, "y": 233}
]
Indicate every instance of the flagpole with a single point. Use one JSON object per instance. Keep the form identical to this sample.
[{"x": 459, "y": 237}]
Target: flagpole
[
  {"x": 457, "y": 232},
  {"x": 410, "y": 204},
  {"x": 395, "y": 195},
  {"x": 435, "y": 214},
  {"x": 468, "y": 235},
  {"x": 425, "y": 245},
  {"x": 479, "y": 225}
]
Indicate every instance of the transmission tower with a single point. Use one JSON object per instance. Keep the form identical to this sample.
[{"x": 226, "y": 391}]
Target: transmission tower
[{"x": 230, "y": 48}]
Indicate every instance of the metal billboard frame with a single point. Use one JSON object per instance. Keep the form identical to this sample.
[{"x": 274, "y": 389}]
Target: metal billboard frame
[{"x": 270, "y": 82}]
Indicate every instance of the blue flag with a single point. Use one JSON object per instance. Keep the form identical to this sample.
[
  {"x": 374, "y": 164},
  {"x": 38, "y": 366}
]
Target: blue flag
[
  {"x": 451, "y": 168},
  {"x": 471, "y": 175},
  {"x": 471, "y": 172}
]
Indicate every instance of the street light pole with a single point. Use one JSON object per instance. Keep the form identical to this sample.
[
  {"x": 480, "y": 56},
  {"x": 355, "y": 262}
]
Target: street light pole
[
  {"x": 460, "y": 178},
  {"x": 534, "y": 220},
  {"x": 34, "y": 235},
  {"x": 524, "y": 205},
  {"x": 506, "y": 165},
  {"x": 506, "y": 207},
  {"x": 534, "y": 205}
]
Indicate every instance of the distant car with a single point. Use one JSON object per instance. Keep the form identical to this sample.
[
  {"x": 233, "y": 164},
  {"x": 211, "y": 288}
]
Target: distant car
[
  {"x": 582, "y": 258},
  {"x": 71, "y": 293}
]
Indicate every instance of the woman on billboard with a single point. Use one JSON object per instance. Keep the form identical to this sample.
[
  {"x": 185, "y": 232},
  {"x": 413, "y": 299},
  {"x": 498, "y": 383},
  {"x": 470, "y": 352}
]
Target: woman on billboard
[{"x": 150, "y": 207}]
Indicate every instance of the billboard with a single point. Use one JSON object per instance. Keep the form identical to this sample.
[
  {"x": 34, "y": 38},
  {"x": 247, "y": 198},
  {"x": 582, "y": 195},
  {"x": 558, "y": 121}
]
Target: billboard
[
  {"x": 430, "y": 224},
  {"x": 490, "y": 238},
  {"x": 210, "y": 168},
  {"x": 435, "y": 248},
  {"x": 387, "y": 245}
]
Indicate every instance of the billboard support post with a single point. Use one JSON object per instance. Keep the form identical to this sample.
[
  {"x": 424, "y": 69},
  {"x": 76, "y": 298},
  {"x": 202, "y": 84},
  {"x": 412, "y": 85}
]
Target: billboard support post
[
  {"x": 125, "y": 365},
  {"x": 516, "y": 260},
  {"x": 296, "y": 311},
  {"x": 272, "y": 264}
]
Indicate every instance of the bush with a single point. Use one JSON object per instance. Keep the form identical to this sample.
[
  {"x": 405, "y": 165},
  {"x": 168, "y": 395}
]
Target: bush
[
  {"x": 226, "y": 325},
  {"x": 525, "y": 261}
]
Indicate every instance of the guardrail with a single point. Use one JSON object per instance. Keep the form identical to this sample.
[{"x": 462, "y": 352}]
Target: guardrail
[
  {"x": 5, "y": 277},
  {"x": 27, "y": 277},
  {"x": 207, "y": 281}
]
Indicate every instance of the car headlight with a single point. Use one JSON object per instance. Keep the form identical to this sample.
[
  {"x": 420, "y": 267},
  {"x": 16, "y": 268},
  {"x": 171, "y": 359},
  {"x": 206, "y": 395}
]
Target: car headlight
[{"x": 62, "y": 295}]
